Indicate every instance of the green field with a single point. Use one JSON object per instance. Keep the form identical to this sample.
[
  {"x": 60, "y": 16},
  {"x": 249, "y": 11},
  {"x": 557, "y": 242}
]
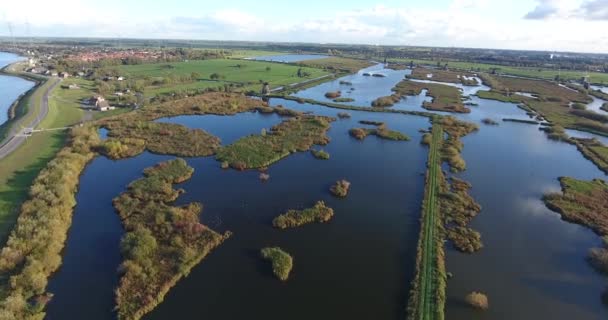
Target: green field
[
  {"x": 18, "y": 170},
  {"x": 246, "y": 53},
  {"x": 549, "y": 74},
  {"x": 250, "y": 73}
]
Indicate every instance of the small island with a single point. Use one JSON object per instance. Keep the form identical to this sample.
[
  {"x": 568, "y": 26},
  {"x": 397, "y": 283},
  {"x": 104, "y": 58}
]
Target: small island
[
  {"x": 282, "y": 262},
  {"x": 320, "y": 154},
  {"x": 340, "y": 188},
  {"x": 381, "y": 132},
  {"x": 290, "y": 136},
  {"x": 295, "y": 218}
]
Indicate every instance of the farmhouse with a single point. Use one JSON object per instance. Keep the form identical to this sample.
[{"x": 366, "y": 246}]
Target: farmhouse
[{"x": 99, "y": 103}]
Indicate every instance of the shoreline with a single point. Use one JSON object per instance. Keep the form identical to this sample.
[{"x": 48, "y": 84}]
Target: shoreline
[{"x": 18, "y": 108}]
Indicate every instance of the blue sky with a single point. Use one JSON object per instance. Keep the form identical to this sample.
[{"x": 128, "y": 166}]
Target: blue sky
[{"x": 564, "y": 25}]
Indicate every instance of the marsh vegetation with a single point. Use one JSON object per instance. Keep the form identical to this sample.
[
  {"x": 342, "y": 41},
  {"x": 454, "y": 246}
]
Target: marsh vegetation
[
  {"x": 340, "y": 188},
  {"x": 445, "y": 98},
  {"x": 162, "y": 242},
  {"x": 292, "y": 135},
  {"x": 282, "y": 262},
  {"x": 320, "y": 154},
  {"x": 294, "y": 218},
  {"x": 381, "y": 132},
  {"x": 477, "y": 300}
]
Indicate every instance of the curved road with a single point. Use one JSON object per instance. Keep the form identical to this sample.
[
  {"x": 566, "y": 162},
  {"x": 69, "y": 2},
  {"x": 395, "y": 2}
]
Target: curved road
[{"x": 17, "y": 135}]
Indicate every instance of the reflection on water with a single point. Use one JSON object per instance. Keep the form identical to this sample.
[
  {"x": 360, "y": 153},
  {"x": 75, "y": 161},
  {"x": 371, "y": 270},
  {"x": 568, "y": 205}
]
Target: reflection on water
[
  {"x": 358, "y": 266},
  {"x": 228, "y": 128},
  {"x": 378, "y": 222}
]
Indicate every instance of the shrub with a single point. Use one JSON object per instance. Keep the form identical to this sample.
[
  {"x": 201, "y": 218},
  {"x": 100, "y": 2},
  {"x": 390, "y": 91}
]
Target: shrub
[
  {"x": 477, "y": 300},
  {"x": 320, "y": 154},
  {"x": 338, "y": 100},
  {"x": 387, "y": 101},
  {"x": 343, "y": 115},
  {"x": 358, "y": 133},
  {"x": 373, "y": 123},
  {"x": 340, "y": 188},
  {"x": 333, "y": 94},
  {"x": 282, "y": 262},
  {"x": 427, "y": 138},
  {"x": 489, "y": 121},
  {"x": 579, "y": 106}
]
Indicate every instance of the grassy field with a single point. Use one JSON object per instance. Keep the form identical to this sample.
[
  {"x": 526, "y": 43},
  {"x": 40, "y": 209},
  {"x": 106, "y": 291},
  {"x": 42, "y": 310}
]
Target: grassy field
[
  {"x": 250, "y": 73},
  {"x": 18, "y": 170},
  {"x": 245, "y": 53},
  {"x": 548, "y": 74}
]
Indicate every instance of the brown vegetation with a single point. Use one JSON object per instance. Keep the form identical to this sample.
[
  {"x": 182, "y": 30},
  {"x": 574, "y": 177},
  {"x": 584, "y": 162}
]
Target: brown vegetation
[
  {"x": 333, "y": 94},
  {"x": 162, "y": 243},
  {"x": 340, "y": 188},
  {"x": 458, "y": 209},
  {"x": 387, "y": 101},
  {"x": 295, "y": 218},
  {"x": 381, "y": 132},
  {"x": 582, "y": 202},
  {"x": 477, "y": 300}
]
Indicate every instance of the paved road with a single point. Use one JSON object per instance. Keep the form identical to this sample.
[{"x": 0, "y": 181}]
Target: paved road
[{"x": 16, "y": 136}]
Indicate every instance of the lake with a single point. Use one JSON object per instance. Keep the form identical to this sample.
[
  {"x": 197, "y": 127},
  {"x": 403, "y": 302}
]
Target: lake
[
  {"x": 288, "y": 58},
  {"x": 360, "y": 264},
  {"x": 10, "y": 87}
]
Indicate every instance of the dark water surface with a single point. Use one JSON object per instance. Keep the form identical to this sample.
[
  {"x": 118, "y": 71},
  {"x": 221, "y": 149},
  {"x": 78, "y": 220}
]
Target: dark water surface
[{"x": 360, "y": 264}]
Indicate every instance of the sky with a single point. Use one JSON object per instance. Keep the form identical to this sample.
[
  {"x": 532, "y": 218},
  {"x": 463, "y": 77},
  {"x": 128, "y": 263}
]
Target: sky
[{"x": 554, "y": 25}]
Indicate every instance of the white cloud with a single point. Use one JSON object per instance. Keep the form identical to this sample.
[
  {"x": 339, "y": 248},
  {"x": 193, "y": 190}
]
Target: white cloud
[{"x": 460, "y": 25}]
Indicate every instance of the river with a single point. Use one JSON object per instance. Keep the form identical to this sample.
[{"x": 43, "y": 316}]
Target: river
[
  {"x": 10, "y": 87},
  {"x": 360, "y": 264}
]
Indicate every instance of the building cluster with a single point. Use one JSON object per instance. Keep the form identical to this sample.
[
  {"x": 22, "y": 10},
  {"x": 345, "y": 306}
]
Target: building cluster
[{"x": 96, "y": 55}]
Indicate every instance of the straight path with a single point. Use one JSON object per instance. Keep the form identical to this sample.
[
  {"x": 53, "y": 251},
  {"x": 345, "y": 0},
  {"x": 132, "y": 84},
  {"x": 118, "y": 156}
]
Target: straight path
[
  {"x": 18, "y": 136},
  {"x": 427, "y": 307}
]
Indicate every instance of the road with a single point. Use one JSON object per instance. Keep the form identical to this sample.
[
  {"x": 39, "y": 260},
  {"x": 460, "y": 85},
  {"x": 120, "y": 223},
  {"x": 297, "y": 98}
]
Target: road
[{"x": 17, "y": 135}]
